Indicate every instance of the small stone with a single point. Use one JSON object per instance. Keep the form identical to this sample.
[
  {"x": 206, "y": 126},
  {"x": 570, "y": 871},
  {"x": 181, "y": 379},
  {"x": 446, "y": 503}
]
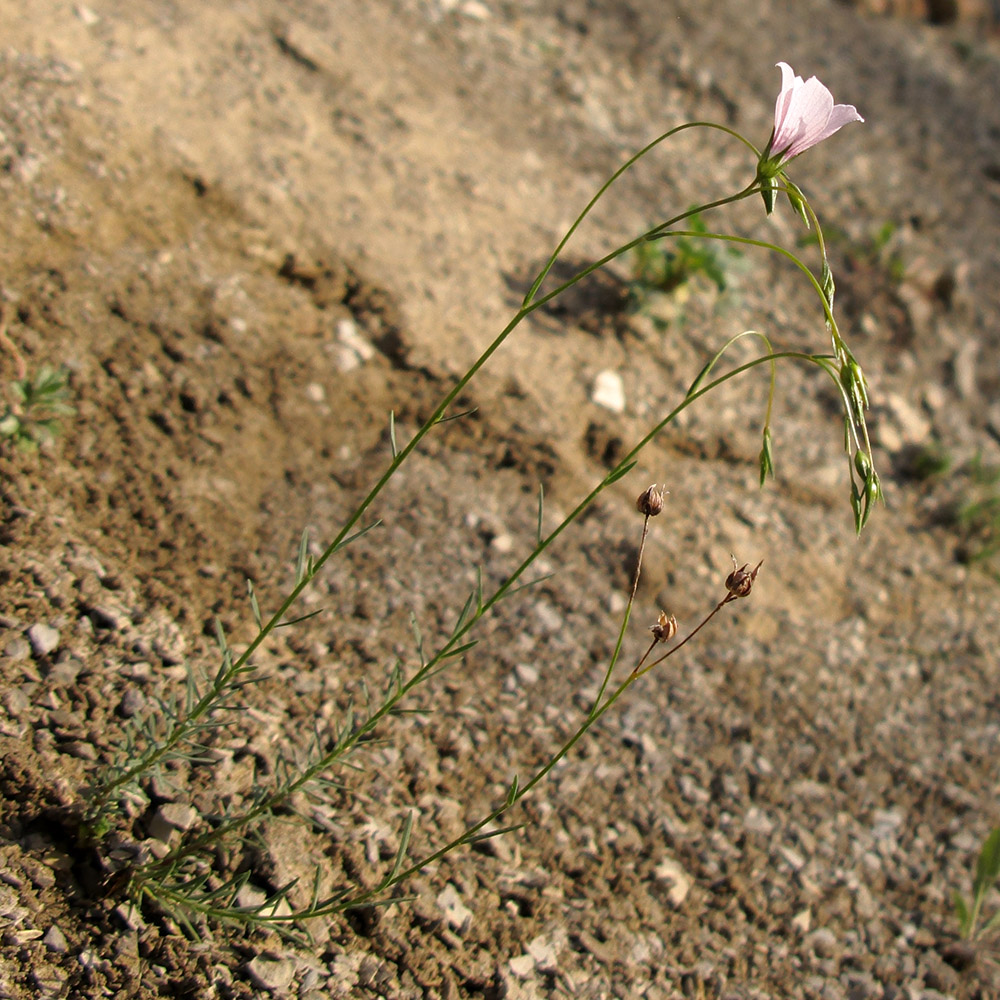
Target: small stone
[
  {"x": 456, "y": 913},
  {"x": 79, "y": 749},
  {"x": 526, "y": 674},
  {"x": 86, "y": 15},
  {"x": 823, "y": 942},
  {"x": 66, "y": 671},
  {"x": 132, "y": 703},
  {"x": 16, "y": 702},
  {"x": 503, "y": 544},
  {"x": 351, "y": 350},
  {"x": 272, "y": 974},
  {"x": 130, "y": 917},
  {"x": 522, "y": 966},
  {"x": 55, "y": 940},
  {"x": 679, "y": 881},
  {"x": 756, "y": 821},
  {"x": 17, "y": 648},
  {"x": 544, "y": 953},
  {"x": 609, "y": 391},
  {"x": 171, "y": 816},
  {"x": 43, "y": 638}
]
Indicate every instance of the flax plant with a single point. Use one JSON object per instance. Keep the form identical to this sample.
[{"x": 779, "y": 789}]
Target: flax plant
[{"x": 183, "y": 879}]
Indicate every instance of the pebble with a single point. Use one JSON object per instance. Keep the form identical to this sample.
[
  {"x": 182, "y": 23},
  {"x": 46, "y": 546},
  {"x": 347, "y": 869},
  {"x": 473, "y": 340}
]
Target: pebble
[
  {"x": 679, "y": 881},
  {"x": 43, "y": 638},
  {"x": 272, "y": 974},
  {"x": 351, "y": 350},
  {"x": 456, "y": 913},
  {"x": 66, "y": 671},
  {"x": 171, "y": 816},
  {"x": 609, "y": 391},
  {"x": 823, "y": 942},
  {"x": 17, "y": 648},
  {"x": 522, "y": 966},
  {"x": 55, "y": 940},
  {"x": 756, "y": 821},
  {"x": 132, "y": 703}
]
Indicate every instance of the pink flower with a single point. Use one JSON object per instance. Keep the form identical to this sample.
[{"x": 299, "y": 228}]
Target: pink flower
[{"x": 804, "y": 115}]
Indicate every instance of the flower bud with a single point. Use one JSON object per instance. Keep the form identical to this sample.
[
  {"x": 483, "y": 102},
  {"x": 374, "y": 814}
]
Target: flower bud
[
  {"x": 665, "y": 628},
  {"x": 650, "y": 502},
  {"x": 740, "y": 581}
]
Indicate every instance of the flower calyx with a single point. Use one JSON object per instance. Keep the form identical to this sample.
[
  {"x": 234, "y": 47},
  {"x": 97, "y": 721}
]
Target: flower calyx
[
  {"x": 650, "y": 501},
  {"x": 665, "y": 628},
  {"x": 740, "y": 582}
]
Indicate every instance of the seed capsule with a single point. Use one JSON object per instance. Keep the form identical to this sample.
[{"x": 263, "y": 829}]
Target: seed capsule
[
  {"x": 665, "y": 628},
  {"x": 649, "y": 502}
]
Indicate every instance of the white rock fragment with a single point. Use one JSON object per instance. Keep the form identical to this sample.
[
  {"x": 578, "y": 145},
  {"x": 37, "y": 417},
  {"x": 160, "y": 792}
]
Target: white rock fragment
[
  {"x": 823, "y": 942},
  {"x": 272, "y": 974},
  {"x": 476, "y": 10},
  {"x": 756, "y": 821},
  {"x": 522, "y": 966},
  {"x": 351, "y": 350},
  {"x": 678, "y": 879},
  {"x": 609, "y": 391},
  {"x": 169, "y": 817},
  {"x": 544, "y": 954},
  {"x": 456, "y": 913},
  {"x": 43, "y": 638},
  {"x": 86, "y": 15}
]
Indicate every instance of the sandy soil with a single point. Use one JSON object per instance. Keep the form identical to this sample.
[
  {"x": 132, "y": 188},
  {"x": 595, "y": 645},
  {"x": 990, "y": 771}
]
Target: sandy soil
[{"x": 252, "y": 230}]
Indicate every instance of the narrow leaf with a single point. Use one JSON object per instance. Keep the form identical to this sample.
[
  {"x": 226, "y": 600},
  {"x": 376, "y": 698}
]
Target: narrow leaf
[
  {"x": 459, "y": 650},
  {"x": 254, "y": 606},
  {"x": 457, "y": 416},
  {"x": 301, "y": 559},
  {"x": 962, "y": 914},
  {"x": 301, "y": 618},
  {"x": 512, "y": 794},
  {"x": 541, "y": 502},
  {"x": 498, "y": 832},
  {"x": 988, "y": 865},
  {"x": 619, "y": 473},
  {"x": 404, "y": 844}
]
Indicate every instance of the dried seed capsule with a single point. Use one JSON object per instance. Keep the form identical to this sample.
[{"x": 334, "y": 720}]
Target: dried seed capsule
[
  {"x": 740, "y": 581},
  {"x": 649, "y": 502},
  {"x": 665, "y": 628}
]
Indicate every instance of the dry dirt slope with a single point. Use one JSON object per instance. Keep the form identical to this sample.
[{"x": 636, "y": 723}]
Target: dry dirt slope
[{"x": 251, "y": 231}]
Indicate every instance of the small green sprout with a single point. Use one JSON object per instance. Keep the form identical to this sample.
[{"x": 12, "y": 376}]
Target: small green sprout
[
  {"x": 657, "y": 270},
  {"x": 968, "y": 911},
  {"x": 33, "y": 417}
]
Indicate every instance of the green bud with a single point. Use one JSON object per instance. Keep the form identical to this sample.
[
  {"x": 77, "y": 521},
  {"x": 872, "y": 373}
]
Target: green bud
[
  {"x": 768, "y": 186},
  {"x": 856, "y": 507},
  {"x": 766, "y": 459},
  {"x": 826, "y": 283},
  {"x": 798, "y": 202}
]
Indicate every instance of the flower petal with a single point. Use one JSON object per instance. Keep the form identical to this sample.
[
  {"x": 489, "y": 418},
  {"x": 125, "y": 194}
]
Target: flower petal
[
  {"x": 841, "y": 115},
  {"x": 789, "y": 81},
  {"x": 804, "y": 114}
]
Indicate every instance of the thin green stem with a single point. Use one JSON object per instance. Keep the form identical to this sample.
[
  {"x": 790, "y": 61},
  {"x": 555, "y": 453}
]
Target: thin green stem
[
  {"x": 543, "y": 274},
  {"x": 628, "y": 613}
]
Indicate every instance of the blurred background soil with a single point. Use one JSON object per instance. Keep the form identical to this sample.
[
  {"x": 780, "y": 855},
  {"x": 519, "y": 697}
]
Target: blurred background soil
[{"x": 250, "y": 231}]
